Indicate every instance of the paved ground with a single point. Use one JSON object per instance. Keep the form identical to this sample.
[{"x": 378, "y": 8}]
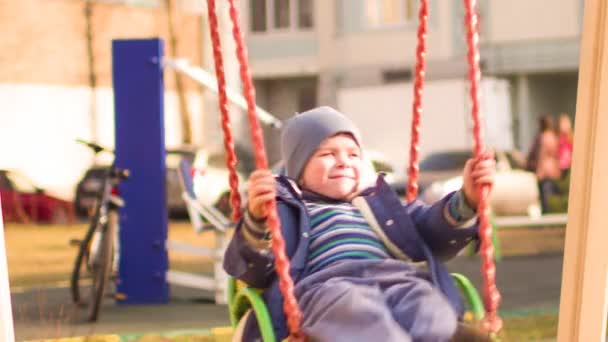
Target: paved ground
[
  {"x": 48, "y": 313},
  {"x": 529, "y": 284}
]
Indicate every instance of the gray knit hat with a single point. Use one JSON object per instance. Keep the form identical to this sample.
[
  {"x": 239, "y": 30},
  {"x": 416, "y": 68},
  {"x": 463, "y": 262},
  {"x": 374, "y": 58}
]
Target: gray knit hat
[{"x": 303, "y": 133}]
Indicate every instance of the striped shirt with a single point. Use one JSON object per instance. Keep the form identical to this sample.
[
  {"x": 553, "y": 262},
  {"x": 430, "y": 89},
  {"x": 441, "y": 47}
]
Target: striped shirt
[{"x": 339, "y": 232}]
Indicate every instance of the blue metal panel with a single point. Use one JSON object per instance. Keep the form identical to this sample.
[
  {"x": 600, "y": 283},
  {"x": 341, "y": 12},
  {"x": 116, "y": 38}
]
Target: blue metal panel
[{"x": 140, "y": 147}]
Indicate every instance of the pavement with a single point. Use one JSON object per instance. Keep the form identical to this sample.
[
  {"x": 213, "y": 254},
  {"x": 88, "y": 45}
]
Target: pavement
[
  {"x": 528, "y": 284},
  {"x": 48, "y": 313}
]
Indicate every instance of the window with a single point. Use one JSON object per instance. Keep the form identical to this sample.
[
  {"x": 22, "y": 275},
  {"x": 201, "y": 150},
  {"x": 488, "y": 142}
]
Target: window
[
  {"x": 307, "y": 97},
  {"x": 396, "y": 75},
  {"x": 382, "y": 13},
  {"x": 280, "y": 15},
  {"x": 258, "y": 15},
  {"x": 305, "y": 14},
  {"x": 444, "y": 161}
]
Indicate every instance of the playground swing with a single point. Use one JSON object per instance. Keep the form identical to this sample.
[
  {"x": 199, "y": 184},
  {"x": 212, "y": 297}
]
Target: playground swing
[{"x": 242, "y": 297}]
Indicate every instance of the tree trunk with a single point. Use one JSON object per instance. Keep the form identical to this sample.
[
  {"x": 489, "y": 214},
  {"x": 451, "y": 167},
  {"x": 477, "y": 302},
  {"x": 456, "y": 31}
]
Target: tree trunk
[
  {"x": 88, "y": 14},
  {"x": 179, "y": 85}
]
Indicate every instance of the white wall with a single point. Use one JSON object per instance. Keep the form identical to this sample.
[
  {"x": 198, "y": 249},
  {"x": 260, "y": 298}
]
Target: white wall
[
  {"x": 516, "y": 20},
  {"x": 39, "y": 125},
  {"x": 383, "y": 114}
]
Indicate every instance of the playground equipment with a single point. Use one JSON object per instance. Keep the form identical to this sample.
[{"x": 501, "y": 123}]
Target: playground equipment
[
  {"x": 244, "y": 301},
  {"x": 7, "y": 332},
  {"x": 207, "y": 80},
  {"x": 583, "y": 312},
  {"x": 139, "y": 109},
  {"x": 202, "y": 218},
  {"x": 583, "y": 300},
  {"x": 491, "y": 322}
]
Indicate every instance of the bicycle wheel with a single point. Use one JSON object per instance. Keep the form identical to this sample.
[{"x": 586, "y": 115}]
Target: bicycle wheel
[
  {"x": 80, "y": 269},
  {"x": 102, "y": 266}
]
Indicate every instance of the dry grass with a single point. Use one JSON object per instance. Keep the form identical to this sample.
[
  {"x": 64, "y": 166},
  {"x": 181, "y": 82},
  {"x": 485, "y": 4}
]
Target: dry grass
[
  {"x": 41, "y": 255},
  {"x": 530, "y": 328}
]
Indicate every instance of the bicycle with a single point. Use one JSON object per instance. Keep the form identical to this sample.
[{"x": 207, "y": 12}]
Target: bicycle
[{"x": 98, "y": 251}]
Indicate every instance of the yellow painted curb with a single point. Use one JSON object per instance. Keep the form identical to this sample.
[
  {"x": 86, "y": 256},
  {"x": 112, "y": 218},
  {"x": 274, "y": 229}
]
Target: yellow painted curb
[
  {"x": 98, "y": 338},
  {"x": 222, "y": 334}
]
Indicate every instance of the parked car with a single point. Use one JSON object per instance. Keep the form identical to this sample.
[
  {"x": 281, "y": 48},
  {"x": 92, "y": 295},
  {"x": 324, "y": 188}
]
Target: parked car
[
  {"x": 515, "y": 190},
  {"x": 211, "y": 182},
  {"x": 88, "y": 187},
  {"x": 23, "y": 201},
  {"x": 209, "y": 173}
]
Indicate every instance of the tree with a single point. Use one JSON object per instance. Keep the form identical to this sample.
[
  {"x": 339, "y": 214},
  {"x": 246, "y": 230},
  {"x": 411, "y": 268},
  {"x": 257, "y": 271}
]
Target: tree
[{"x": 179, "y": 84}]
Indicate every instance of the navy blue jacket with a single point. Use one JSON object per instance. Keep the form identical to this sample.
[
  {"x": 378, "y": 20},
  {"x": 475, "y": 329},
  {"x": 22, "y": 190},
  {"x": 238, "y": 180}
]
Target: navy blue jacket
[{"x": 421, "y": 231}]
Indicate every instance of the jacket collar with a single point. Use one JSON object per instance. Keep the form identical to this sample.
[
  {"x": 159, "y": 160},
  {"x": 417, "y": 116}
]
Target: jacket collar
[{"x": 288, "y": 189}]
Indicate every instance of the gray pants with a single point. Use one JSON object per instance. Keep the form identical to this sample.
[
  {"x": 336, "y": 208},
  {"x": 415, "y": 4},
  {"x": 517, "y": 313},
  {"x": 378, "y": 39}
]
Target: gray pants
[{"x": 370, "y": 300}]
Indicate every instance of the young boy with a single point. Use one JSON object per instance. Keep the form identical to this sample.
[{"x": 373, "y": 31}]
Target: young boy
[{"x": 356, "y": 251}]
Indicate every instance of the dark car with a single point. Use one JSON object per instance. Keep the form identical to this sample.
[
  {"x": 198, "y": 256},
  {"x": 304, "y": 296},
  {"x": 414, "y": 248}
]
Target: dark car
[
  {"x": 23, "y": 201},
  {"x": 90, "y": 184}
]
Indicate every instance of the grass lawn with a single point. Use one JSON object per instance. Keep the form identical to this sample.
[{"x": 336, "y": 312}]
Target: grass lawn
[
  {"x": 42, "y": 256},
  {"x": 517, "y": 329}
]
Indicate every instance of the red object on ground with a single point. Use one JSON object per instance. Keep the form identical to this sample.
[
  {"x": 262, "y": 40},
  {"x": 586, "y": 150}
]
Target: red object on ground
[{"x": 23, "y": 202}]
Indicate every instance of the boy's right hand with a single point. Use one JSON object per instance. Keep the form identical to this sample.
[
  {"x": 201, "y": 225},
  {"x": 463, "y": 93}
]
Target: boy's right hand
[{"x": 262, "y": 190}]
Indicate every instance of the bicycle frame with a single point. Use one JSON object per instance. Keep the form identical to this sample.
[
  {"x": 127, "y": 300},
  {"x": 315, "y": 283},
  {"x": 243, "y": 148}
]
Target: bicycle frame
[
  {"x": 108, "y": 202},
  {"x": 99, "y": 251}
]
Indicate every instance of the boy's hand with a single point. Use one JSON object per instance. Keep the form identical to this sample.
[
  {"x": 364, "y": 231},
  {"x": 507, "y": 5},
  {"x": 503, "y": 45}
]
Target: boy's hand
[
  {"x": 262, "y": 189},
  {"x": 477, "y": 172}
]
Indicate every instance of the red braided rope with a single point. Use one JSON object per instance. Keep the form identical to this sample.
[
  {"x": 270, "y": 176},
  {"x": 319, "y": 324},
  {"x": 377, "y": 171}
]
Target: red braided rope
[
  {"x": 491, "y": 322},
  {"x": 412, "y": 185},
  {"x": 290, "y": 305},
  {"x": 235, "y": 196}
]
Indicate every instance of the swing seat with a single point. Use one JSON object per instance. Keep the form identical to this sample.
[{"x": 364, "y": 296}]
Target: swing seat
[{"x": 244, "y": 301}]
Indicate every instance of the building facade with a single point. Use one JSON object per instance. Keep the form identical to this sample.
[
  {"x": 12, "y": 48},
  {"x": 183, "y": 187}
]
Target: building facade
[
  {"x": 306, "y": 52},
  {"x": 55, "y": 77},
  {"x": 56, "y": 80}
]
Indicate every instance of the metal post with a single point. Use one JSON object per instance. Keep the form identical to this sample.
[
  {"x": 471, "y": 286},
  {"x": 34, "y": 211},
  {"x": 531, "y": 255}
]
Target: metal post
[
  {"x": 7, "y": 332},
  {"x": 140, "y": 147}
]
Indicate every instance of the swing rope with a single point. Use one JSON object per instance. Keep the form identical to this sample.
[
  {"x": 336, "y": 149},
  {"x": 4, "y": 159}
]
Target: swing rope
[
  {"x": 290, "y": 305},
  {"x": 491, "y": 321},
  {"x": 235, "y": 196},
  {"x": 414, "y": 169}
]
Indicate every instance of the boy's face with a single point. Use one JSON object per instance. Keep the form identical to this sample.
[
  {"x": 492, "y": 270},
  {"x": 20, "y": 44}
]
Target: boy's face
[{"x": 334, "y": 169}]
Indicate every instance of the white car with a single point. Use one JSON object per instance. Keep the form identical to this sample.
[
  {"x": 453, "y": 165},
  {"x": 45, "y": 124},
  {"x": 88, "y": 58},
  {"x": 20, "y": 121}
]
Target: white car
[
  {"x": 210, "y": 179},
  {"x": 515, "y": 190}
]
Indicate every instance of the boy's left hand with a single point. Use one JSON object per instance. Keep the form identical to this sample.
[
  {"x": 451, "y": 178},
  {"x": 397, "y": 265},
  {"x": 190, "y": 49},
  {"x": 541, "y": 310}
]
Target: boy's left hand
[{"x": 478, "y": 171}]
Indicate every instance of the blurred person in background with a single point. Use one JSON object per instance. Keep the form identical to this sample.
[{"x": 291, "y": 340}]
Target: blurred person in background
[
  {"x": 566, "y": 136},
  {"x": 543, "y": 160}
]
